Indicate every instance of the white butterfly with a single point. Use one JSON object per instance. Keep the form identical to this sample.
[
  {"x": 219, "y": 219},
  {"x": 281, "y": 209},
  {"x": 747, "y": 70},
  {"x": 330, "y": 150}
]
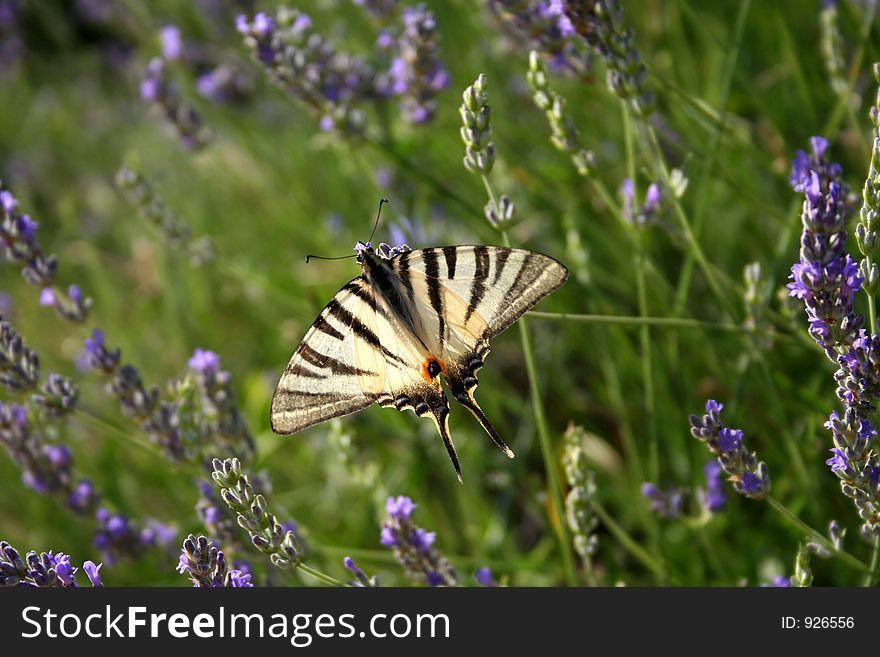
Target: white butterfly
[{"x": 391, "y": 334}]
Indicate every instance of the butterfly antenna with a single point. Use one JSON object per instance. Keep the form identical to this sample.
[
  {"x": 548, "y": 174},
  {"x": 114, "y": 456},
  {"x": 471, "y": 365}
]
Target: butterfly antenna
[
  {"x": 316, "y": 257},
  {"x": 382, "y": 201}
]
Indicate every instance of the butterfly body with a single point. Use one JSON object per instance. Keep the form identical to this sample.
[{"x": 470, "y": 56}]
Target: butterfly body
[{"x": 390, "y": 335}]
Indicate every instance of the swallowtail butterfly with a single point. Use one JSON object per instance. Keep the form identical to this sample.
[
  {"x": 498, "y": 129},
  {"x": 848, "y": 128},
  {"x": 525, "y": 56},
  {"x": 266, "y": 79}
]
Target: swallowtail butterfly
[{"x": 409, "y": 320}]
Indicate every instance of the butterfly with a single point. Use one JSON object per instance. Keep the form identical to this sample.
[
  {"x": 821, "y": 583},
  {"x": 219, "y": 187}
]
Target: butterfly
[{"x": 412, "y": 318}]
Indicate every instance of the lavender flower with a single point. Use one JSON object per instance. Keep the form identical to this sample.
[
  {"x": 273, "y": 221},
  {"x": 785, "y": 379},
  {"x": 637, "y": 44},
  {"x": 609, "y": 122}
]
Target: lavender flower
[
  {"x": 648, "y": 213},
  {"x": 217, "y": 518},
  {"x": 225, "y": 83},
  {"x": 157, "y": 89},
  {"x": 155, "y": 416},
  {"x": 417, "y": 73},
  {"x": 46, "y": 569},
  {"x": 301, "y": 62},
  {"x": 712, "y": 499},
  {"x": 119, "y": 537},
  {"x": 484, "y": 578},
  {"x": 93, "y": 573},
  {"x": 140, "y": 193},
  {"x": 665, "y": 503},
  {"x": 868, "y": 228},
  {"x": 413, "y": 546},
  {"x": 218, "y": 424},
  {"x": 476, "y": 132},
  {"x": 826, "y": 279},
  {"x": 59, "y": 395},
  {"x": 46, "y": 468},
  {"x": 803, "y": 165},
  {"x": 563, "y": 133},
  {"x": 19, "y": 366},
  {"x": 582, "y": 491},
  {"x": 855, "y": 462},
  {"x": 548, "y": 31},
  {"x": 360, "y": 578},
  {"x": 749, "y": 477},
  {"x": 479, "y": 157},
  {"x": 18, "y": 238},
  {"x": 267, "y": 534},
  {"x": 601, "y": 24},
  {"x": 171, "y": 42},
  {"x": 205, "y": 565}
]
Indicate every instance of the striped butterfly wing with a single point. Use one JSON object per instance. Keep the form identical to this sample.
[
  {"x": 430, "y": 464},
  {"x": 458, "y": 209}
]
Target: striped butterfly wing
[
  {"x": 357, "y": 352},
  {"x": 322, "y": 379},
  {"x": 465, "y": 295}
]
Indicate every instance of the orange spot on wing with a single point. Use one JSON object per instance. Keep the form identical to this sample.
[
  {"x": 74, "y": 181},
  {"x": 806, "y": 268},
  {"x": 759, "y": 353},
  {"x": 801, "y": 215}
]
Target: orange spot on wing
[{"x": 428, "y": 361}]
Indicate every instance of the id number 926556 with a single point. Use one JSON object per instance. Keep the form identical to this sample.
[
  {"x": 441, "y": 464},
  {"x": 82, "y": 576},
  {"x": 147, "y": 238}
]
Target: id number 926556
[{"x": 818, "y": 623}]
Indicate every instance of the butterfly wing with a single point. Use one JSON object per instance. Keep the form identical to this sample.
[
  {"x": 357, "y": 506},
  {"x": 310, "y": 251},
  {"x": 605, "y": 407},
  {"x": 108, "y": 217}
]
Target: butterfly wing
[
  {"x": 357, "y": 352},
  {"x": 464, "y": 296},
  {"x": 323, "y": 379}
]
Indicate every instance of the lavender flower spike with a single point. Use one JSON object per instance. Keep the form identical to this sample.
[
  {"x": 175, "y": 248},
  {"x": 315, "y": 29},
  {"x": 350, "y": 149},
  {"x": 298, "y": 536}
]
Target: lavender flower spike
[
  {"x": 206, "y": 566},
  {"x": 267, "y": 534},
  {"x": 413, "y": 546},
  {"x": 46, "y": 569},
  {"x": 749, "y": 477}
]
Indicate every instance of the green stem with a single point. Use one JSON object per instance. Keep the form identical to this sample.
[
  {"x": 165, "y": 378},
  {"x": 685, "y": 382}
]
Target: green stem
[
  {"x": 871, "y": 577},
  {"x": 846, "y": 557},
  {"x": 543, "y": 431},
  {"x": 628, "y": 543},
  {"x": 700, "y": 208},
  {"x": 693, "y": 245},
  {"x": 547, "y": 451},
  {"x": 644, "y": 329},
  {"x": 317, "y": 574}
]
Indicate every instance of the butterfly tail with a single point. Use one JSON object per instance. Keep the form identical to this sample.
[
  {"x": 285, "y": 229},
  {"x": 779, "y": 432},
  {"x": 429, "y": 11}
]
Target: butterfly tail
[
  {"x": 467, "y": 400},
  {"x": 440, "y": 416}
]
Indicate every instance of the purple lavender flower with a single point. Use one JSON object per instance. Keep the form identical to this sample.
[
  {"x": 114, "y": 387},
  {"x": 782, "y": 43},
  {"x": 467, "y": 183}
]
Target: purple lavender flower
[
  {"x": 665, "y": 503},
  {"x": 712, "y": 499},
  {"x": 156, "y": 88},
  {"x": 413, "y": 546},
  {"x": 18, "y": 242},
  {"x": 748, "y": 476},
  {"x": 546, "y": 29},
  {"x": 484, "y": 577},
  {"x": 803, "y": 165},
  {"x": 418, "y": 74},
  {"x": 46, "y": 569},
  {"x": 19, "y": 366},
  {"x": 300, "y": 61},
  {"x": 93, "y": 573},
  {"x": 171, "y": 42},
  {"x": 118, "y": 537},
  {"x": 204, "y": 362},
  {"x": 826, "y": 279},
  {"x": 205, "y": 565},
  {"x": 603, "y": 28},
  {"x": 360, "y": 578},
  {"x": 650, "y": 210}
]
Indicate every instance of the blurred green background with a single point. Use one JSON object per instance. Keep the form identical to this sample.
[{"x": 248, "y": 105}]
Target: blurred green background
[{"x": 735, "y": 98}]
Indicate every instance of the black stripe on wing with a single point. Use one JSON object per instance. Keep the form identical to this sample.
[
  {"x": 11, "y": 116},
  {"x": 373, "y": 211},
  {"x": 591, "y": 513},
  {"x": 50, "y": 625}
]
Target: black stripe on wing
[
  {"x": 361, "y": 330},
  {"x": 432, "y": 271},
  {"x": 478, "y": 289}
]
